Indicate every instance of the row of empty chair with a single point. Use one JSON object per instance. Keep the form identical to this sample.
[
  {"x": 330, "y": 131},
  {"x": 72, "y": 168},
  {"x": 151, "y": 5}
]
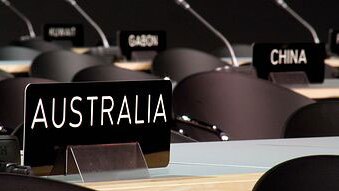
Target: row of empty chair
[
  {"x": 62, "y": 65},
  {"x": 242, "y": 107},
  {"x": 177, "y": 64}
]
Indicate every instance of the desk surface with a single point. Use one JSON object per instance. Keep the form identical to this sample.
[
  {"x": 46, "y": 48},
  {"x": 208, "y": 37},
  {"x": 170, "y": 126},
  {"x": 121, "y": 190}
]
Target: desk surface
[
  {"x": 332, "y": 61},
  {"x": 329, "y": 89},
  {"x": 234, "y": 157},
  {"x": 18, "y": 66},
  {"x": 233, "y": 165},
  {"x": 242, "y": 182}
]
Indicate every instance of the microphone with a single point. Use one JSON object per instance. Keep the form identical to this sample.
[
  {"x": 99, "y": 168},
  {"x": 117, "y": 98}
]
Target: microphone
[
  {"x": 91, "y": 22},
  {"x": 109, "y": 54},
  {"x": 186, "y": 6},
  {"x": 22, "y": 16},
  {"x": 13, "y": 168},
  {"x": 309, "y": 27},
  {"x": 202, "y": 125}
]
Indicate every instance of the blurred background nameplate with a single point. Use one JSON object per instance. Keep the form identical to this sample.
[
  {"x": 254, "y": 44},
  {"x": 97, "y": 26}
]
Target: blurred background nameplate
[
  {"x": 62, "y": 114},
  {"x": 141, "y": 42},
  {"x": 296, "y": 57},
  {"x": 68, "y": 34}
]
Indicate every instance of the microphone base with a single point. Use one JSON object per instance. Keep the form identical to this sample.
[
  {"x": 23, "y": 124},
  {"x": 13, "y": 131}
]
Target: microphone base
[
  {"x": 246, "y": 69},
  {"x": 111, "y": 54}
]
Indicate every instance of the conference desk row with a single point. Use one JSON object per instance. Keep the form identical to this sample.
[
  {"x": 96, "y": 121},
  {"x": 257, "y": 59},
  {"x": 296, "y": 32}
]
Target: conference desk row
[
  {"x": 329, "y": 89},
  {"x": 233, "y": 165},
  {"x": 23, "y": 66}
]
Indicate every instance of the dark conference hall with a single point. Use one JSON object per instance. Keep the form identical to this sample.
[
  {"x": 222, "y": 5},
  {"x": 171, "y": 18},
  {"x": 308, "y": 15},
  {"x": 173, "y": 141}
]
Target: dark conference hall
[{"x": 169, "y": 95}]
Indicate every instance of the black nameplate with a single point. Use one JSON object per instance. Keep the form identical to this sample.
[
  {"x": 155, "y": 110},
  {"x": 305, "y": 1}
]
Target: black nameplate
[
  {"x": 130, "y": 41},
  {"x": 334, "y": 41},
  {"x": 61, "y": 114},
  {"x": 73, "y": 33},
  {"x": 296, "y": 57}
]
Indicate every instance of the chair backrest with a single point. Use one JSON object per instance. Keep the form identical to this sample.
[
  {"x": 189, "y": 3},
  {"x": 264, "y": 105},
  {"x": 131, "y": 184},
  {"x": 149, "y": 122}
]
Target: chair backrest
[
  {"x": 180, "y": 63},
  {"x": 38, "y": 44},
  {"x": 11, "y": 182},
  {"x": 12, "y": 100},
  {"x": 240, "y": 50},
  {"x": 310, "y": 173},
  {"x": 330, "y": 72},
  {"x": 109, "y": 73},
  {"x": 315, "y": 120},
  {"x": 17, "y": 53},
  {"x": 242, "y": 106},
  {"x": 62, "y": 65},
  {"x": 5, "y": 75}
]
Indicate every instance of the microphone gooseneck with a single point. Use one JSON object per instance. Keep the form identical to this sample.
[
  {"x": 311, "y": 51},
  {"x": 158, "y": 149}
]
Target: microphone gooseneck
[
  {"x": 309, "y": 27},
  {"x": 22, "y": 16},
  {"x": 91, "y": 22},
  {"x": 202, "y": 125},
  {"x": 186, "y": 6}
]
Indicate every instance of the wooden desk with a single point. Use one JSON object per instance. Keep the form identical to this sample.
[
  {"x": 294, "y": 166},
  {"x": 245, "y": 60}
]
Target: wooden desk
[
  {"x": 135, "y": 65},
  {"x": 227, "y": 166},
  {"x": 332, "y": 61},
  {"x": 329, "y": 89},
  {"x": 147, "y": 65},
  {"x": 80, "y": 50},
  {"x": 16, "y": 66},
  {"x": 318, "y": 93},
  {"x": 23, "y": 66},
  {"x": 241, "y": 182}
]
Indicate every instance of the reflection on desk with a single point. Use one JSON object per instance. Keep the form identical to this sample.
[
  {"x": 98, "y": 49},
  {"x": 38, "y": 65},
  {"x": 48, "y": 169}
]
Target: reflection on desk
[
  {"x": 242, "y": 182},
  {"x": 233, "y": 165}
]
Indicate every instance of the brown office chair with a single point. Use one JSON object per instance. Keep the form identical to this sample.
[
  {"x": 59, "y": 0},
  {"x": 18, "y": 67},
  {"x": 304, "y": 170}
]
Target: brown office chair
[
  {"x": 241, "y": 106},
  {"x": 17, "y": 53},
  {"x": 240, "y": 50},
  {"x": 62, "y": 65},
  {"x": 5, "y": 75},
  {"x": 310, "y": 173},
  {"x": 12, "y": 100},
  {"x": 37, "y": 44},
  {"x": 182, "y": 62},
  {"x": 330, "y": 72},
  {"x": 315, "y": 120},
  {"x": 109, "y": 73},
  {"x": 13, "y": 182}
]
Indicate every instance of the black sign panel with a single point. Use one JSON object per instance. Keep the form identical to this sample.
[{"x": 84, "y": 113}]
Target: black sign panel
[
  {"x": 61, "y": 114},
  {"x": 334, "y": 41},
  {"x": 65, "y": 32},
  {"x": 130, "y": 41},
  {"x": 305, "y": 57}
]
